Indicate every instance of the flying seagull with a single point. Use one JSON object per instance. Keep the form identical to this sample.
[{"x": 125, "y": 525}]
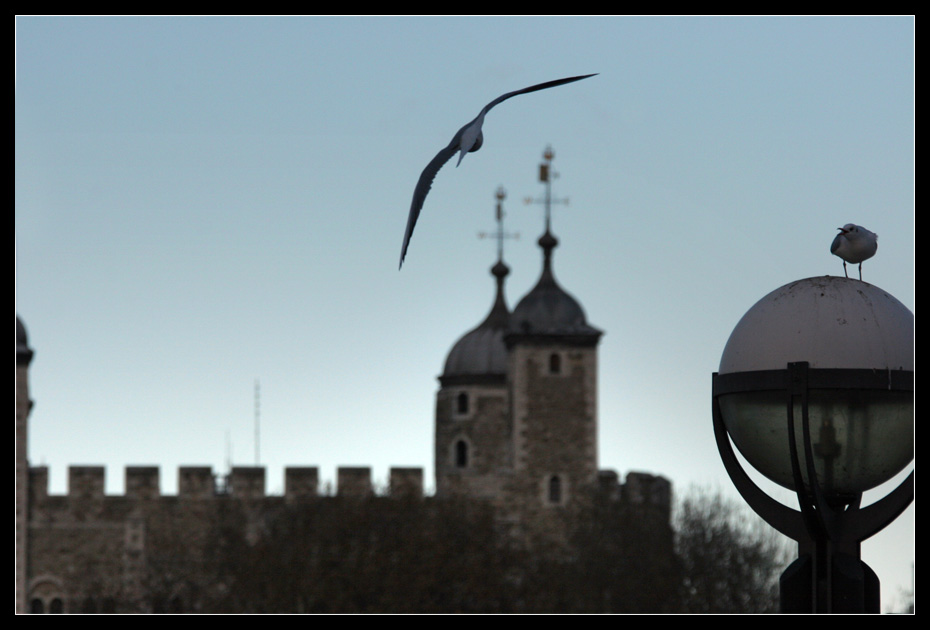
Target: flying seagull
[
  {"x": 467, "y": 139},
  {"x": 854, "y": 244}
]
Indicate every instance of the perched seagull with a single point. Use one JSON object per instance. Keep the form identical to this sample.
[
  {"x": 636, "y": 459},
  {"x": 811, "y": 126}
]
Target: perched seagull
[
  {"x": 854, "y": 244},
  {"x": 467, "y": 139}
]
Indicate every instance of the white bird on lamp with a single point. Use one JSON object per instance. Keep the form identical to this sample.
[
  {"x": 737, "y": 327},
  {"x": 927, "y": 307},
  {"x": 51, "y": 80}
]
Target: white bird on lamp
[{"x": 854, "y": 244}]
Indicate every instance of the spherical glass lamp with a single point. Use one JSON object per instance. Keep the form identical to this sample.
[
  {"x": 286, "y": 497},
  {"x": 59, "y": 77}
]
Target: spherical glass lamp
[{"x": 838, "y": 353}]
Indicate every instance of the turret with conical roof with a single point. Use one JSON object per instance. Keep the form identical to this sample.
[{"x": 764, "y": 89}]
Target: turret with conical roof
[
  {"x": 548, "y": 310},
  {"x": 472, "y": 420},
  {"x": 480, "y": 355},
  {"x": 552, "y": 378}
]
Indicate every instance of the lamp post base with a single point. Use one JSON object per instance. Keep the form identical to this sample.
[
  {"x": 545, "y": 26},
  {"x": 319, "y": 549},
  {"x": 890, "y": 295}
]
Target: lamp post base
[{"x": 851, "y": 588}]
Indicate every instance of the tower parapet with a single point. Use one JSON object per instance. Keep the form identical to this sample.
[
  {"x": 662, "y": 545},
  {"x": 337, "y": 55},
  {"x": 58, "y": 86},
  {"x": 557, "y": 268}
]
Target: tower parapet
[{"x": 354, "y": 481}]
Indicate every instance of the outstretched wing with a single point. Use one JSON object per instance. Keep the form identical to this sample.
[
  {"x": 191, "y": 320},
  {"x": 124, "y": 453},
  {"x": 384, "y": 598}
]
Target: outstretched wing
[
  {"x": 533, "y": 88},
  {"x": 423, "y": 186},
  {"x": 429, "y": 173}
]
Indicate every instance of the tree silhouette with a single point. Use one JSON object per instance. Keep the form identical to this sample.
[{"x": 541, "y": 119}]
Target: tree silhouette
[{"x": 730, "y": 559}]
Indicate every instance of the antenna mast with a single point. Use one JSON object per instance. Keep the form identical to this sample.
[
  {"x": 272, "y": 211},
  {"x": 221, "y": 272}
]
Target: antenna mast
[{"x": 257, "y": 418}]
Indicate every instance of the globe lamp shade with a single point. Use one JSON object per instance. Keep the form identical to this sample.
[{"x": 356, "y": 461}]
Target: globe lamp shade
[{"x": 857, "y": 342}]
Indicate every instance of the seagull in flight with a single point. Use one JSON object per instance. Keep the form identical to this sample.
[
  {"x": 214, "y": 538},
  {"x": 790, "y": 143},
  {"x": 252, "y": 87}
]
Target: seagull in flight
[
  {"x": 854, "y": 244},
  {"x": 467, "y": 139}
]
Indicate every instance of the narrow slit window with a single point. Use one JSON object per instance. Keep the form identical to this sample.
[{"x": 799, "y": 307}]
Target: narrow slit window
[
  {"x": 461, "y": 454},
  {"x": 555, "y": 363},
  {"x": 555, "y": 489},
  {"x": 461, "y": 403}
]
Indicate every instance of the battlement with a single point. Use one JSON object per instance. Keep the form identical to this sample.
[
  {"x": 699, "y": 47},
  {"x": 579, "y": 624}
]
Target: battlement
[
  {"x": 301, "y": 483},
  {"x": 87, "y": 483},
  {"x": 640, "y": 488},
  {"x": 353, "y": 481},
  {"x": 142, "y": 482},
  {"x": 246, "y": 482},
  {"x": 406, "y": 482},
  {"x": 644, "y": 488},
  {"x": 196, "y": 482}
]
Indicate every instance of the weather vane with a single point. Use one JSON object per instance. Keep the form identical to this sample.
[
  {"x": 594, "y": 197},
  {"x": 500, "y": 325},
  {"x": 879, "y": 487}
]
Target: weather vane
[
  {"x": 546, "y": 175},
  {"x": 500, "y": 235}
]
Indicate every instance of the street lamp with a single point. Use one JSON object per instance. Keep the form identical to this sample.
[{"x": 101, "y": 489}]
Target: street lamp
[{"x": 815, "y": 389}]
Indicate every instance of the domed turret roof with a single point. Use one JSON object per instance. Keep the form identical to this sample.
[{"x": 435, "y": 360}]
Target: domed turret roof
[
  {"x": 827, "y": 321},
  {"x": 481, "y": 354},
  {"x": 548, "y": 309}
]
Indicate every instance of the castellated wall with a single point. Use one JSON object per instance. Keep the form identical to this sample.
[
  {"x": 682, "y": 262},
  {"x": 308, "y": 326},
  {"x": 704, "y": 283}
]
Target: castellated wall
[
  {"x": 86, "y": 497},
  {"x": 86, "y": 483},
  {"x": 147, "y": 552},
  {"x": 143, "y": 551}
]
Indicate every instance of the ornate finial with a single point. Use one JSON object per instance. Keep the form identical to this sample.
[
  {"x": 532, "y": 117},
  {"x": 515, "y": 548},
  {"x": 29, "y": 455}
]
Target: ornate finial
[
  {"x": 546, "y": 175},
  {"x": 500, "y": 235},
  {"x": 548, "y": 154}
]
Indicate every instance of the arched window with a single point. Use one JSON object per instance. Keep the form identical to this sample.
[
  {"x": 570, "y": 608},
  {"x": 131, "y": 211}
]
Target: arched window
[
  {"x": 555, "y": 363},
  {"x": 555, "y": 489},
  {"x": 461, "y": 454},
  {"x": 461, "y": 403},
  {"x": 45, "y": 597}
]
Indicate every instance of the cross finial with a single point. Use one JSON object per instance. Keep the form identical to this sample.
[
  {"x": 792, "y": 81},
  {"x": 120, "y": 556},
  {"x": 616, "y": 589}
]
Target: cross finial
[
  {"x": 500, "y": 235},
  {"x": 546, "y": 175}
]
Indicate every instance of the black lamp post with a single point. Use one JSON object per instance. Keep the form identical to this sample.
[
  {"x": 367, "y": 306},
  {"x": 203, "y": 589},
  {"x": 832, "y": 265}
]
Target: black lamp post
[{"x": 815, "y": 389}]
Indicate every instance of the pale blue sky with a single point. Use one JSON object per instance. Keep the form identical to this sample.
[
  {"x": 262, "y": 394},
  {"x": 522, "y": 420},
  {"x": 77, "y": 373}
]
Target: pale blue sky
[{"x": 203, "y": 202}]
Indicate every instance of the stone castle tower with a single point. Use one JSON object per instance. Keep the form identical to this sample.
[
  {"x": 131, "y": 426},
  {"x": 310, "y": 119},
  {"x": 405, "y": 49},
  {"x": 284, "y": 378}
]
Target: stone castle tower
[
  {"x": 516, "y": 412},
  {"x": 515, "y": 427},
  {"x": 23, "y": 407},
  {"x": 553, "y": 376}
]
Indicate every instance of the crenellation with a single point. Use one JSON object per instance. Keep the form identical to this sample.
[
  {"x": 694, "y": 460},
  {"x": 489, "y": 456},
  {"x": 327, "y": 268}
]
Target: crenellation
[
  {"x": 301, "y": 482},
  {"x": 196, "y": 482},
  {"x": 406, "y": 482},
  {"x": 142, "y": 482},
  {"x": 647, "y": 489},
  {"x": 353, "y": 481},
  {"x": 247, "y": 482},
  {"x": 38, "y": 484},
  {"x": 609, "y": 484},
  {"x": 86, "y": 482}
]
